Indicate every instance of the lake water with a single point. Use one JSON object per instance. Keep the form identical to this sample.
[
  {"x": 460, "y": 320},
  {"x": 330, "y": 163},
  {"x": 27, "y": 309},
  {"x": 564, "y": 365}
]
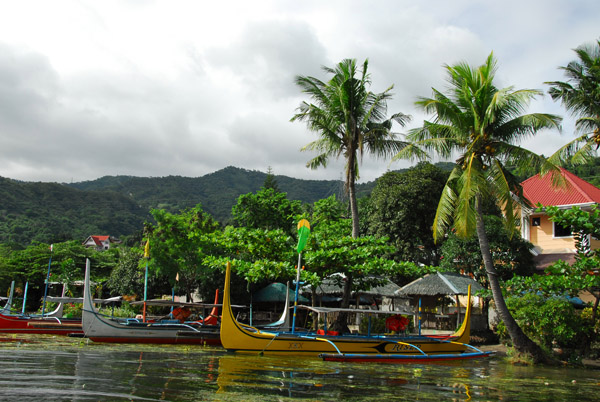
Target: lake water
[{"x": 46, "y": 368}]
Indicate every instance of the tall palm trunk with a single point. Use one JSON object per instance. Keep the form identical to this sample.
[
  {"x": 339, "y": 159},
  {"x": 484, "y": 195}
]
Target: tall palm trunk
[
  {"x": 520, "y": 341},
  {"x": 353, "y": 210}
]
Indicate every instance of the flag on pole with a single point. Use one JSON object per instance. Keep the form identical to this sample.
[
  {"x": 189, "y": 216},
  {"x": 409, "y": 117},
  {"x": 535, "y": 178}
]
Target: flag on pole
[
  {"x": 303, "y": 233},
  {"x": 147, "y": 249}
]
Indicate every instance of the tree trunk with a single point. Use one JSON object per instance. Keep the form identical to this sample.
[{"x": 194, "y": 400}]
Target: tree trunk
[
  {"x": 521, "y": 342},
  {"x": 315, "y": 316},
  {"x": 341, "y": 323},
  {"x": 353, "y": 209},
  {"x": 595, "y": 307}
]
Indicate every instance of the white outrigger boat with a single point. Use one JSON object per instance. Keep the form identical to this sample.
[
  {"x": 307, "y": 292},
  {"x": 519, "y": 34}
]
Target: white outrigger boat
[{"x": 100, "y": 328}]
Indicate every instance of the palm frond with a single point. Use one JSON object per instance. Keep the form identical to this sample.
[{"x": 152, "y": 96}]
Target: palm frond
[
  {"x": 525, "y": 126},
  {"x": 411, "y": 152},
  {"x": 318, "y": 161},
  {"x": 471, "y": 186},
  {"x": 505, "y": 187},
  {"x": 444, "y": 214},
  {"x": 578, "y": 151}
]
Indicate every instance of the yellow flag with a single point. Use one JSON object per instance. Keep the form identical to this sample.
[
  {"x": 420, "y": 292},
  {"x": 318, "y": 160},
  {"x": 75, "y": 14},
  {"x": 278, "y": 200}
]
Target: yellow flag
[{"x": 147, "y": 249}]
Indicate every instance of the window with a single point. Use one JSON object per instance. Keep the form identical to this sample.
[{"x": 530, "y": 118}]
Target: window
[
  {"x": 535, "y": 221},
  {"x": 562, "y": 231}
]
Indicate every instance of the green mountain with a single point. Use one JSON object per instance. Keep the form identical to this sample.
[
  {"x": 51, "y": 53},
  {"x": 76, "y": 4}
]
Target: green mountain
[
  {"x": 217, "y": 192},
  {"x": 51, "y": 212},
  {"x": 119, "y": 205}
]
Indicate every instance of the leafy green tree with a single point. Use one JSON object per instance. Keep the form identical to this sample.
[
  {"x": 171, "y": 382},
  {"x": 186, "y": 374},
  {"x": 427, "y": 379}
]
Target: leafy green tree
[
  {"x": 350, "y": 119},
  {"x": 481, "y": 123},
  {"x": 332, "y": 250},
  {"x": 267, "y": 209},
  {"x": 327, "y": 210},
  {"x": 256, "y": 254},
  {"x": 401, "y": 208},
  {"x": 128, "y": 276},
  {"x": 580, "y": 95},
  {"x": 179, "y": 243},
  {"x": 510, "y": 253}
]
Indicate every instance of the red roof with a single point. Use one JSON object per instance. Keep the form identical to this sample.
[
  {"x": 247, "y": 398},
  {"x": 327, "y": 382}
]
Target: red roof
[
  {"x": 99, "y": 239},
  {"x": 539, "y": 189}
]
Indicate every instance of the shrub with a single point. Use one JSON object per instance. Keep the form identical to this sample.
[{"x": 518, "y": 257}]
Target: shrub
[{"x": 552, "y": 322}]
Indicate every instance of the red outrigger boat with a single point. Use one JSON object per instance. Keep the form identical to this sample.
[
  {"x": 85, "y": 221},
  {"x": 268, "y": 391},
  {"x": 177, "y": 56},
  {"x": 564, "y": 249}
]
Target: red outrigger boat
[{"x": 33, "y": 325}]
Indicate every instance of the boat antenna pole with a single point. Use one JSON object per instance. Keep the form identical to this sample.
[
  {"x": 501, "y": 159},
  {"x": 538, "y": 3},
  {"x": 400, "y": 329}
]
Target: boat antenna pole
[
  {"x": 47, "y": 280},
  {"x": 24, "y": 298},
  {"x": 303, "y": 233},
  {"x": 147, "y": 257}
]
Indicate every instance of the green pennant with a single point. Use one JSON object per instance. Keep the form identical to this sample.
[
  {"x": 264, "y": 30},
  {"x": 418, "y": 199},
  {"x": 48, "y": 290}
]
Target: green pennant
[{"x": 303, "y": 233}]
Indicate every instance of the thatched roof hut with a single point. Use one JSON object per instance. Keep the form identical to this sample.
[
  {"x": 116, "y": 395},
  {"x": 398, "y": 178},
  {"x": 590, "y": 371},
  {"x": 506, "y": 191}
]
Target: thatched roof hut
[
  {"x": 433, "y": 288},
  {"x": 333, "y": 286},
  {"x": 440, "y": 284},
  {"x": 331, "y": 289}
]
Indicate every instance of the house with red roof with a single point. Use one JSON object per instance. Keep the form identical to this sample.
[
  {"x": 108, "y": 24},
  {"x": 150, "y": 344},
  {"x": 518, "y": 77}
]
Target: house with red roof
[
  {"x": 552, "y": 241},
  {"x": 100, "y": 243}
]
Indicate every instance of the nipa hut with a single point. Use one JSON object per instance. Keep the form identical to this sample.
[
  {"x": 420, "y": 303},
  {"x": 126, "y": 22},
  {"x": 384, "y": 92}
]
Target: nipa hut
[
  {"x": 434, "y": 292},
  {"x": 379, "y": 296}
]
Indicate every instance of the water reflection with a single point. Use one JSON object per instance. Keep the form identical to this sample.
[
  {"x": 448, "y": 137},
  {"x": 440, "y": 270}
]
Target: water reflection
[{"x": 78, "y": 370}]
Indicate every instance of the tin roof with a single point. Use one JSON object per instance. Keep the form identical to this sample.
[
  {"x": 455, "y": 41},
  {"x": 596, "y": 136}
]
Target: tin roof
[{"x": 539, "y": 189}]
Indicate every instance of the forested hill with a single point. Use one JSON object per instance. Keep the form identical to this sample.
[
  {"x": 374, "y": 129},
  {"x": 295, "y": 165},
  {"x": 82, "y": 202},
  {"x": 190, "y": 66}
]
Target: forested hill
[
  {"x": 119, "y": 205},
  {"x": 217, "y": 192},
  {"x": 51, "y": 212}
]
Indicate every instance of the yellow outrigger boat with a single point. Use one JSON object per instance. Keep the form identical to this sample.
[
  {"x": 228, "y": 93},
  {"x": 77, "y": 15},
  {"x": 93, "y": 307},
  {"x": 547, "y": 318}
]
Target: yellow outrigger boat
[{"x": 241, "y": 338}]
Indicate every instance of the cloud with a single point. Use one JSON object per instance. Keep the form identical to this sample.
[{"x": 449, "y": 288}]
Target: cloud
[{"x": 158, "y": 88}]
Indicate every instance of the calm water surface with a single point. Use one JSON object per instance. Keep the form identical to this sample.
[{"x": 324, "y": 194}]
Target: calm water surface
[{"x": 36, "y": 368}]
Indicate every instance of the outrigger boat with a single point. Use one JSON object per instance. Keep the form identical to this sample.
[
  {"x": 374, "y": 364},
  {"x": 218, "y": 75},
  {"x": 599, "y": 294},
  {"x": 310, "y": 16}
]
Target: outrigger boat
[
  {"x": 100, "y": 328},
  {"x": 241, "y": 338},
  {"x": 10, "y": 324},
  {"x": 51, "y": 323}
]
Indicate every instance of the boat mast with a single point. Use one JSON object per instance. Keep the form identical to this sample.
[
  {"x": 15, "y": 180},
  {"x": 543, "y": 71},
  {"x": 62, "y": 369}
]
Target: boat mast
[
  {"x": 47, "y": 280},
  {"x": 147, "y": 257},
  {"x": 303, "y": 233},
  {"x": 24, "y": 298}
]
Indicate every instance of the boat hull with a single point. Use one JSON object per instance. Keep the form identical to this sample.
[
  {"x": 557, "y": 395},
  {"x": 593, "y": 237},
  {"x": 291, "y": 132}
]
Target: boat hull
[
  {"x": 27, "y": 325},
  {"x": 102, "y": 329},
  {"x": 401, "y": 359},
  {"x": 240, "y": 338}
]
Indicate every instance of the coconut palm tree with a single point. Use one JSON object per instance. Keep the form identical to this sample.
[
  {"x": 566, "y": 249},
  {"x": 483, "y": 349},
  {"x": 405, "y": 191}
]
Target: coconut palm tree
[
  {"x": 580, "y": 95},
  {"x": 481, "y": 124},
  {"x": 350, "y": 121}
]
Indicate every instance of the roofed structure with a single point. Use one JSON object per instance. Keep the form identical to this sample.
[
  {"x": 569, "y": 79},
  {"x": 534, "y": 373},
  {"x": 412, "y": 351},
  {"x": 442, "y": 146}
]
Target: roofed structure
[
  {"x": 538, "y": 189},
  {"x": 553, "y": 241},
  {"x": 440, "y": 284},
  {"x": 333, "y": 286},
  {"x": 100, "y": 242}
]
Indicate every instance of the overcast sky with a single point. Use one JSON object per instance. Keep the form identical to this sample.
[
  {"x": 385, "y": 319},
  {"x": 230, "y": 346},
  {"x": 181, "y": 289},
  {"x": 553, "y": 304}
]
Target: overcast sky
[{"x": 158, "y": 88}]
